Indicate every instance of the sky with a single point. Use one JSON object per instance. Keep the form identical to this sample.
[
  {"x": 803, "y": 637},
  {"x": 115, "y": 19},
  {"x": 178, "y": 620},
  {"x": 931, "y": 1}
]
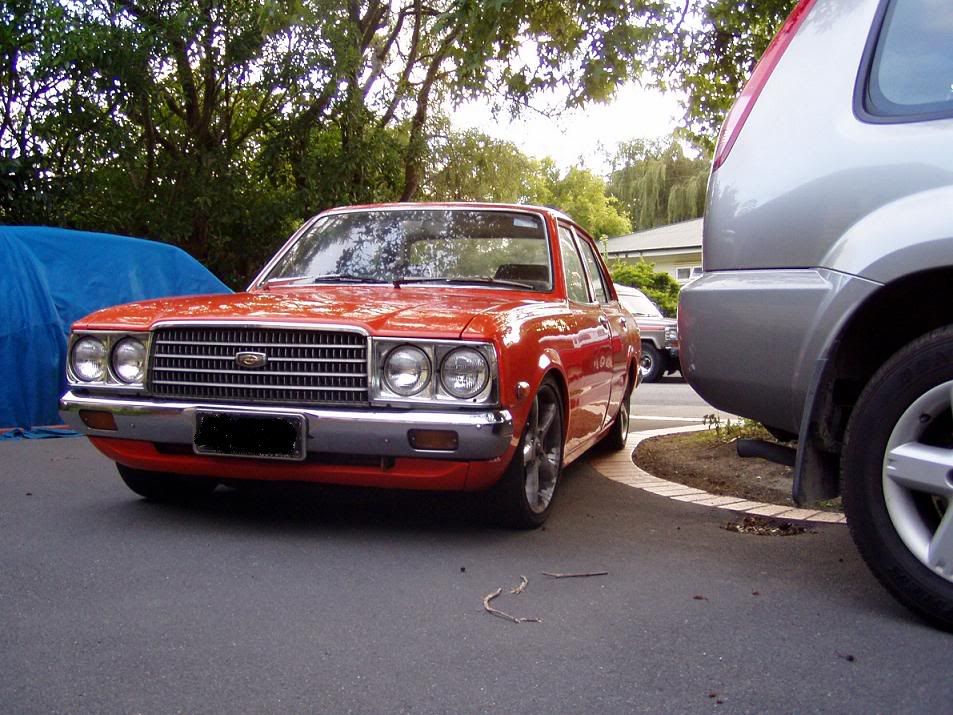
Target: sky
[{"x": 581, "y": 136}]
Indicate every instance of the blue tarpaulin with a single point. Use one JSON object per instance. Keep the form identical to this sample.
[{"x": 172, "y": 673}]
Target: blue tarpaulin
[{"x": 54, "y": 276}]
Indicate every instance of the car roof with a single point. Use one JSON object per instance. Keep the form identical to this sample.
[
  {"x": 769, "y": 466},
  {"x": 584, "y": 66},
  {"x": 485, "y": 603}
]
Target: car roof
[{"x": 476, "y": 205}]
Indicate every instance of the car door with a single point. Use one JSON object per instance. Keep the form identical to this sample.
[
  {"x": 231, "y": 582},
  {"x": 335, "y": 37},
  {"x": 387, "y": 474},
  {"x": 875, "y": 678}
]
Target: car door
[
  {"x": 615, "y": 317},
  {"x": 588, "y": 358}
]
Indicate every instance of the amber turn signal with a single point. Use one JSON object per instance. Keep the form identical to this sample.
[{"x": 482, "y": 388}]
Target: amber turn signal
[
  {"x": 433, "y": 439},
  {"x": 94, "y": 419}
]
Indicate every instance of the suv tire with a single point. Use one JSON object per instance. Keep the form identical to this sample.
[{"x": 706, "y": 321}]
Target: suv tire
[
  {"x": 650, "y": 364},
  {"x": 896, "y": 468}
]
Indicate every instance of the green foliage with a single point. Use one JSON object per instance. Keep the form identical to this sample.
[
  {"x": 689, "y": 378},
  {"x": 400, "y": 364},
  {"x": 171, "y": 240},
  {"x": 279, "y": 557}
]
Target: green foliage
[
  {"x": 471, "y": 166},
  {"x": 712, "y": 52},
  {"x": 659, "y": 286},
  {"x": 739, "y": 429},
  {"x": 655, "y": 183},
  {"x": 216, "y": 125}
]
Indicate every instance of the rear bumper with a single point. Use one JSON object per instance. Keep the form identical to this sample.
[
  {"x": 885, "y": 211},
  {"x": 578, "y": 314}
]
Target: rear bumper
[
  {"x": 364, "y": 447},
  {"x": 750, "y": 340}
]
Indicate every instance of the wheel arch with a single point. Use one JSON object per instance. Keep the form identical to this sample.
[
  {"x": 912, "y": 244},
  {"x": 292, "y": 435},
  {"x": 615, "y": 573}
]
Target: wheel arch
[{"x": 890, "y": 318}]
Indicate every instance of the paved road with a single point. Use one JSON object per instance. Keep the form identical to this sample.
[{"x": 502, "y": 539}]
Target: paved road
[
  {"x": 342, "y": 601},
  {"x": 670, "y": 397}
]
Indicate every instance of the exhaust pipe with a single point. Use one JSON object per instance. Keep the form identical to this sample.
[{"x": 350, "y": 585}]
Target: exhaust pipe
[{"x": 777, "y": 453}]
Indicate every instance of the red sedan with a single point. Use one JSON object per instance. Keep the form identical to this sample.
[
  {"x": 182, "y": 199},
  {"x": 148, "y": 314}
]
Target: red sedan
[{"x": 425, "y": 346}]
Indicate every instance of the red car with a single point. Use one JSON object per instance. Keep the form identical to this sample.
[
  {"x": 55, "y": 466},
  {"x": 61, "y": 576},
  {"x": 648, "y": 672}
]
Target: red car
[{"x": 424, "y": 346}]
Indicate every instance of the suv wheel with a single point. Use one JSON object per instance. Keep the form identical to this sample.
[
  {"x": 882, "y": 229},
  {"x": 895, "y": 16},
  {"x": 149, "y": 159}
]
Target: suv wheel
[
  {"x": 650, "y": 364},
  {"x": 897, "y": 468}
]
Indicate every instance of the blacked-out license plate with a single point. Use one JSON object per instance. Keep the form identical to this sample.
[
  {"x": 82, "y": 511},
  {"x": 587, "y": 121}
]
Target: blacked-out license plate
[{"x": 250, "y": 435}]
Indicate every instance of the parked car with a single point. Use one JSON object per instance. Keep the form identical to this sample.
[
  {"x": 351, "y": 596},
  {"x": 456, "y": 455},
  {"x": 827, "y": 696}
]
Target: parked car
[
  {"x": 659, "y": 334},
  {"x": 419, "y": 346},
  {"x": 828, "y": 248}
]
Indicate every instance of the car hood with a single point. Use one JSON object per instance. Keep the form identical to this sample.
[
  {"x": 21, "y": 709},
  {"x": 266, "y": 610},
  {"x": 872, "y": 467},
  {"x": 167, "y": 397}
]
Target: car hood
[{"x": 438, "y": 312}]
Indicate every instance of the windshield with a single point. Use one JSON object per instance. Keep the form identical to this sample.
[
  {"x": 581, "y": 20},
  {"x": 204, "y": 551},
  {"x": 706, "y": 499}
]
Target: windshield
[
  {"x": 421, "y": 245},
  {"x": 639, "y": 305}
]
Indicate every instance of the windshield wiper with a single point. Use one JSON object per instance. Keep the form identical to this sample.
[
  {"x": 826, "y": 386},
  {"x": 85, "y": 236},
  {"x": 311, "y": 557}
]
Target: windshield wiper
[
  {"x": 466, "y": 280},
  {"x": 345, "y": 278}
]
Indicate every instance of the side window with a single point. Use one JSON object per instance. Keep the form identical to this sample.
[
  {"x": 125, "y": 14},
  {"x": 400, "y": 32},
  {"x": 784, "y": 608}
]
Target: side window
[
  {"x": 597, "y": 279},
  {"x": 912, "y": 69},
  {"x": 572, "y": 268}
]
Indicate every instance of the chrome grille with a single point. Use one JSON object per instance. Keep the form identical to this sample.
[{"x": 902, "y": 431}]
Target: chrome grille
[{"x": 303, "y": 366}]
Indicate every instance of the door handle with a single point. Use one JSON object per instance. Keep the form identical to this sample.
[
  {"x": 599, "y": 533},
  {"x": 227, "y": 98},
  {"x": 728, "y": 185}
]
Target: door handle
[{"x": 603, "y": 321}]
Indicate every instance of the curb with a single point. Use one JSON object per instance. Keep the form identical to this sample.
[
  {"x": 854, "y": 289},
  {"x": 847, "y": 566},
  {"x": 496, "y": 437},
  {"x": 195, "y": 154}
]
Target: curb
[{"x": 620, "y": 467}]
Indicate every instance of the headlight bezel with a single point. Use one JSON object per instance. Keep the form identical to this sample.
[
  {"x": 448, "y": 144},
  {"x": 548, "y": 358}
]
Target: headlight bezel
[
  {"x": 74, "y": 360},
  {"x": 434, "y": 392},
  {"x": 420, "y": 359},
  {"x": 118, "y": 368},
  {"x": 110, "y": 377},
  {"x": 445, "y": 368}
]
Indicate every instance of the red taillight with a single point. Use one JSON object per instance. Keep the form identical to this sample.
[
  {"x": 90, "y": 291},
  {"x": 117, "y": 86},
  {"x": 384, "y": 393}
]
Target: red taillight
[{"x": 745, "y": 102}]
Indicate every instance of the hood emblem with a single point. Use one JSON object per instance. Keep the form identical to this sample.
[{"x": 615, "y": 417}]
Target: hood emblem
[{"x": 251, "y": 360}]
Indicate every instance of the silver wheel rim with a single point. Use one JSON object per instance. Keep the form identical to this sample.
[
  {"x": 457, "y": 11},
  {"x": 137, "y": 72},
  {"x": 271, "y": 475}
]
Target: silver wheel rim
[
  {"x": 646, "y": 363},
  {"x": 542, "y": 451},
  {"x": 918, "y": 482}
]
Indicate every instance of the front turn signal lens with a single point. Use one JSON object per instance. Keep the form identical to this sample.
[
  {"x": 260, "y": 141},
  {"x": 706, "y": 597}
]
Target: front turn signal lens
[
  {"x": 435, "y": 440},
  {"x": 97, "y": 419}
]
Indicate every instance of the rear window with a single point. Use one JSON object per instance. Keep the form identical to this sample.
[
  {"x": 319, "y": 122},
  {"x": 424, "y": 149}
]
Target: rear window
[{"x": 912, "y": 69}]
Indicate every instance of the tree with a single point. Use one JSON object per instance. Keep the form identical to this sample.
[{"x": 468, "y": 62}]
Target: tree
[
  {"x": 659, "y": 286},
  {"x": 217, "y": 124},
  {"x": 655, "y": 183},
  {"x": 471, "y": 166},
  {"x": 710, "y": 54},
  {"x": 582, "y": 195}
]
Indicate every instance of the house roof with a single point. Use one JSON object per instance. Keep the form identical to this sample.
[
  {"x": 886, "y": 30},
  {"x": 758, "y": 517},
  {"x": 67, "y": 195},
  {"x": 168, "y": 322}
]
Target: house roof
[{"x": 676, "y": 236}]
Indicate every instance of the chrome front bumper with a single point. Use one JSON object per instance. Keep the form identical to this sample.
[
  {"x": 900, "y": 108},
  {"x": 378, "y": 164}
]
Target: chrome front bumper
[{"x": 482, "y": 435}]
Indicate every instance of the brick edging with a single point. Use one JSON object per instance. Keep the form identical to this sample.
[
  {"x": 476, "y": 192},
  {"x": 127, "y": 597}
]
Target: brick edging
[{"x": 620, "y": 467}]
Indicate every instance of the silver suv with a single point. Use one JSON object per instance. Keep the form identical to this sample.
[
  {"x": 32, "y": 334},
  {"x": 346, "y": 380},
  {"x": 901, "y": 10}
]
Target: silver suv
[{"x": 828, "y": 250}]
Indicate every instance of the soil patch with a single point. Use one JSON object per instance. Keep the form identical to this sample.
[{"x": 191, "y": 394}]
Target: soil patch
[{"x": 708, "y": 460}]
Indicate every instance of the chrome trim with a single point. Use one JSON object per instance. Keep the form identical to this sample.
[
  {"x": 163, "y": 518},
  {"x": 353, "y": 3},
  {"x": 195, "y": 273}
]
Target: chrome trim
[
  {"x": 433, "y": 394},
  {"x": 225, "y": 380},
  {"x": 483, "y": 435},
  {"x": 110, "y": 338}
]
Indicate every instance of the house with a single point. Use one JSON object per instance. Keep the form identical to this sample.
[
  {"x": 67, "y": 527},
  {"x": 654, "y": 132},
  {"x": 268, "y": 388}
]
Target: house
[{"x": 675, "y": 249}]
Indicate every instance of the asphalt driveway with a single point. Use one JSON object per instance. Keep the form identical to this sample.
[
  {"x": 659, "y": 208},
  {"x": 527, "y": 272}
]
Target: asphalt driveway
[{"x": 335, "y": 600}]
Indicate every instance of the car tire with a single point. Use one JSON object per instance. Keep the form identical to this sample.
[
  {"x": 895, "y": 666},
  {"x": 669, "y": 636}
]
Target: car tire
[
  {"x": 651, "y": 364},
  {"x": 524, "y": 495},
  {"x": 618, "y": 434},
  {"x": 165, "y": 487},
  {"x": 895, "y": 469}
]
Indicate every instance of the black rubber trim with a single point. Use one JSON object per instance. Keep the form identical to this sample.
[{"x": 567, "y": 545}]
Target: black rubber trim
[{"x": 863, "y": 106}]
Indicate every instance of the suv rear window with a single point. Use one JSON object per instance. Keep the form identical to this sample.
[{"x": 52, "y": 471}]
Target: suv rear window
[{"x": 912, "y": 70}]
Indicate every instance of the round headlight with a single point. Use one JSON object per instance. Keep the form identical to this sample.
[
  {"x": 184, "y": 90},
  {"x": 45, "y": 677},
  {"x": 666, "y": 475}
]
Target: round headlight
[
  {"x": 129, "y": 360},
  {"x": 407, "y": 370},
  {"x": 88, "y": 359},
  {"x": 464, "y": 373}
]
